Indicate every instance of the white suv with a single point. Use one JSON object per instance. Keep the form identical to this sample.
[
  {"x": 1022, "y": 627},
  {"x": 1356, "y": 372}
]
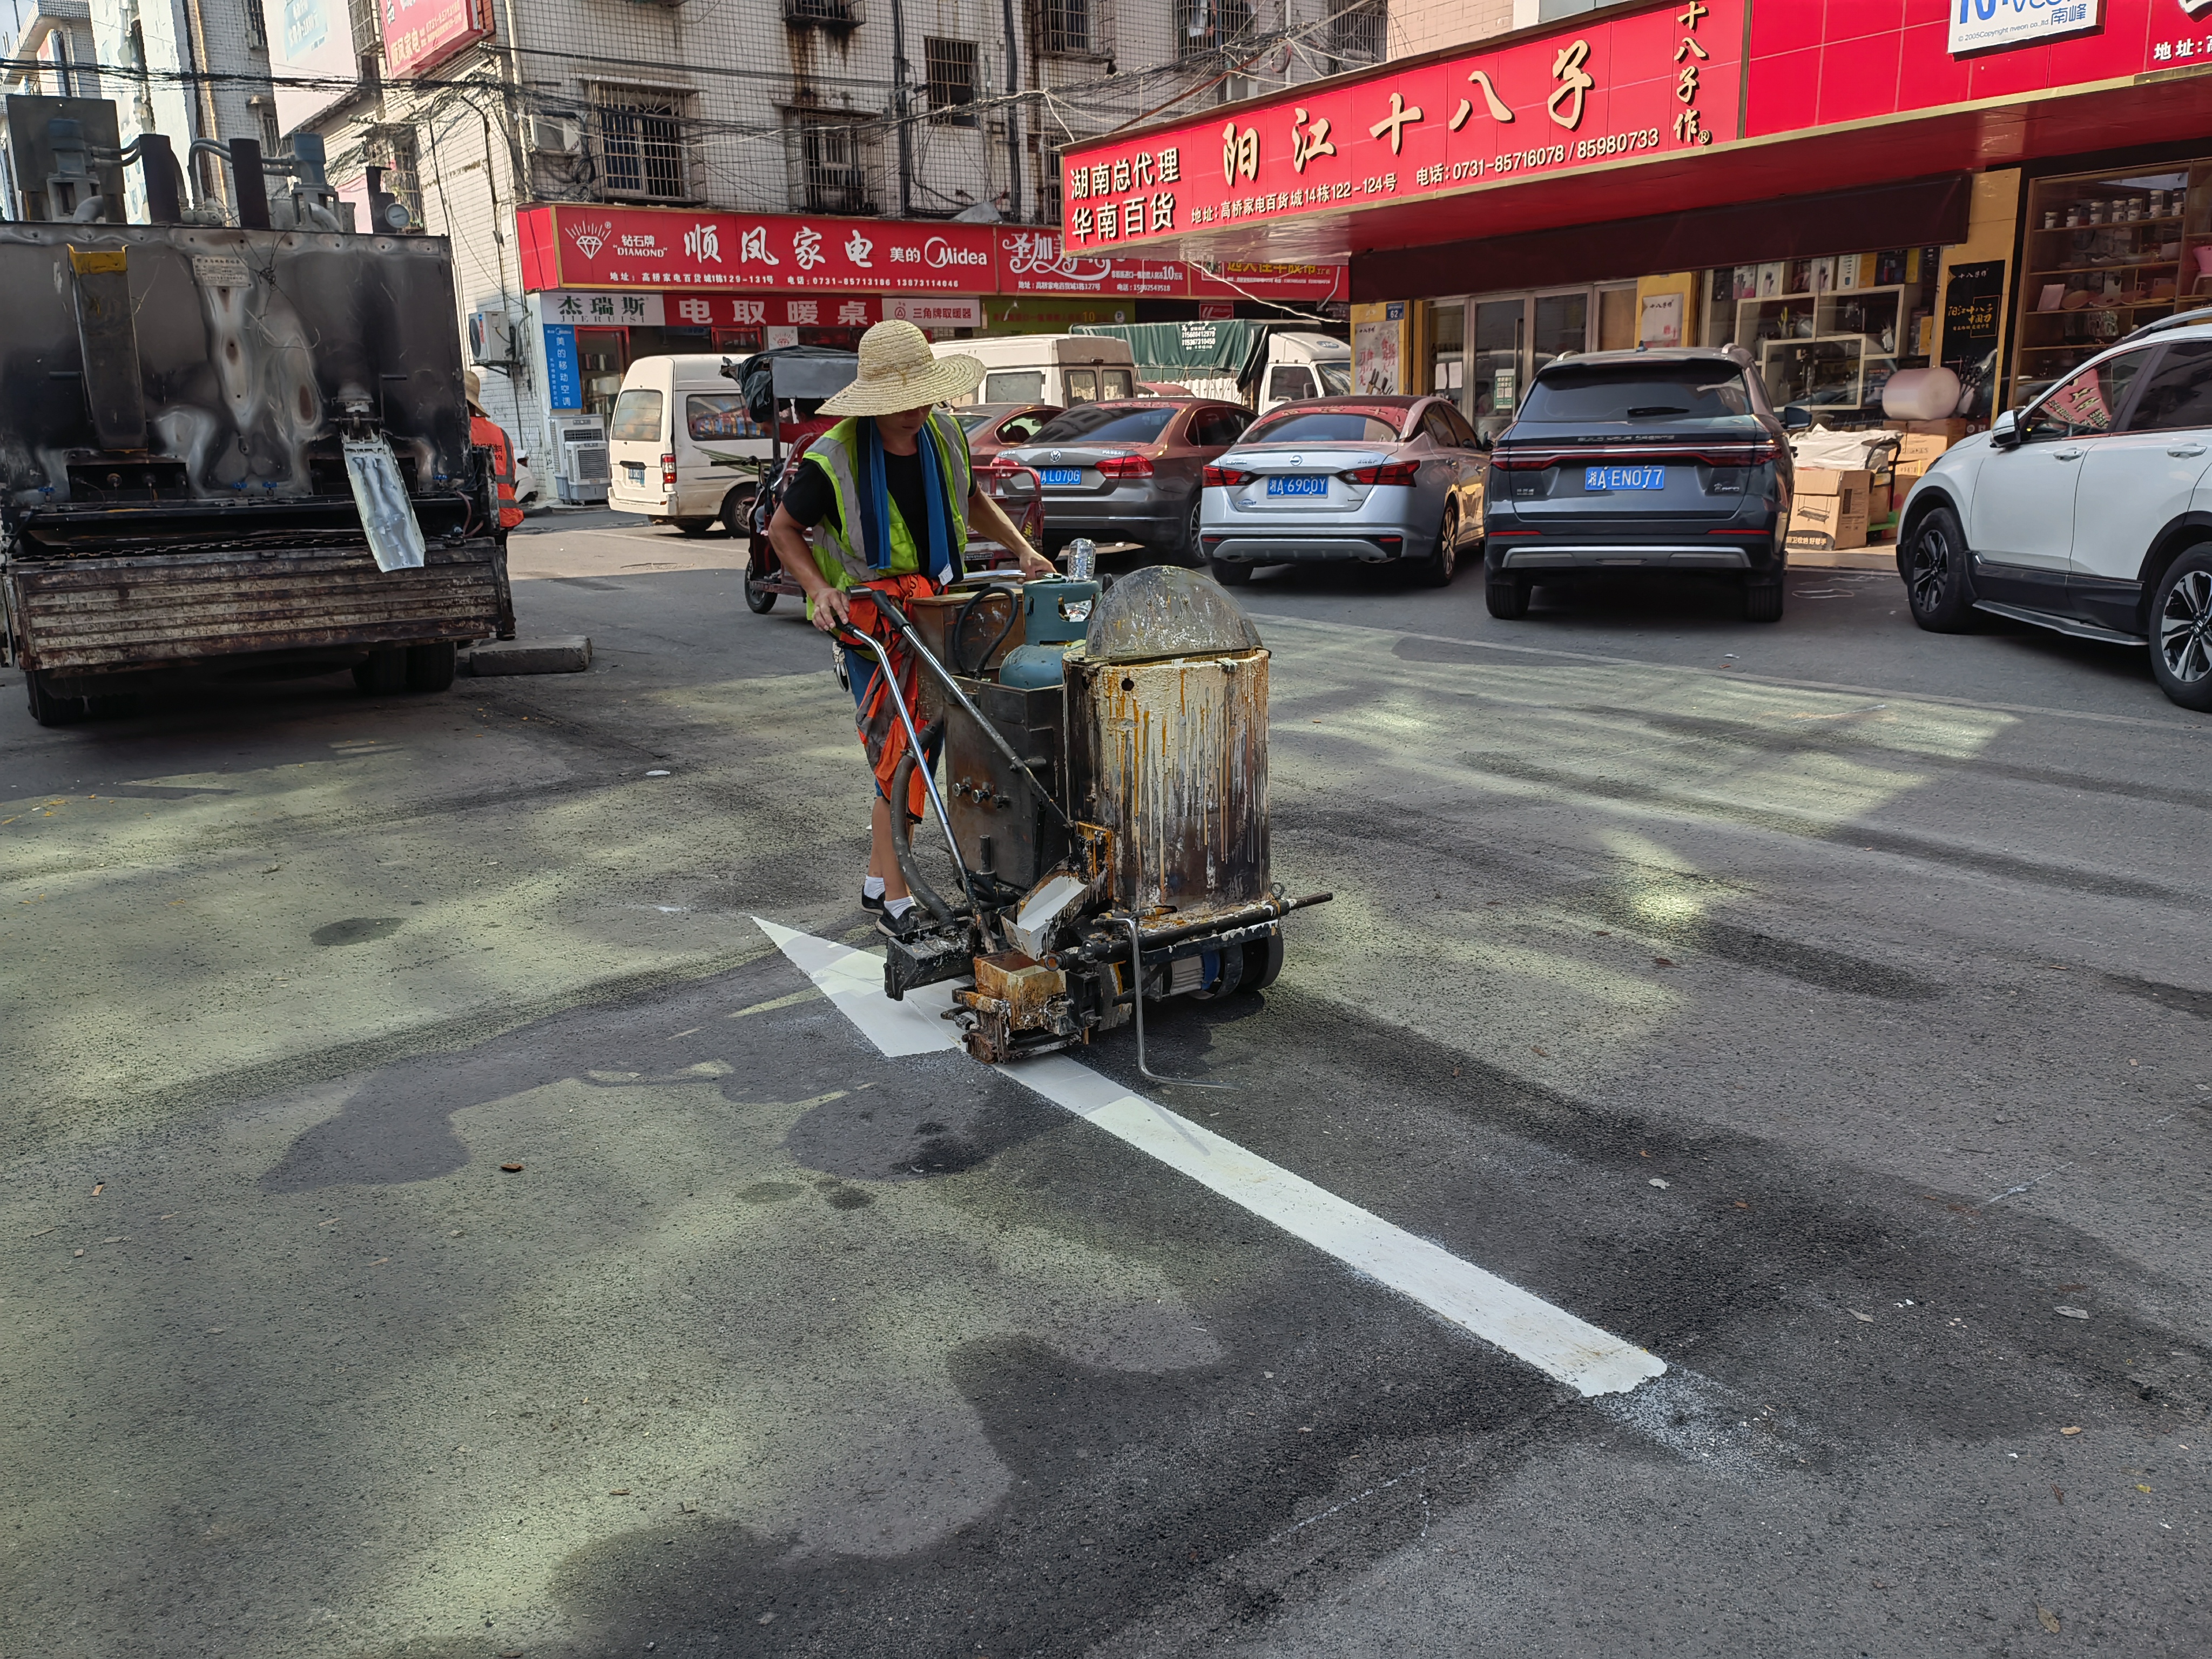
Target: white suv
[{"x": 2088, "y": 511}]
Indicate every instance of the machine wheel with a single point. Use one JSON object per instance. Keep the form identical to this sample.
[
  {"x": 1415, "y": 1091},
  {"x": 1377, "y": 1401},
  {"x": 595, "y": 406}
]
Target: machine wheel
[
  {"x": 430, "y": 668},
  {"x": 48, "y": 709},
  {"x": 117, "y": 705},
  {"x": 1762, "y": 602},
  {"x": 385, "y": 673},
  {"x": 1443, "y": 558},
  {"x": 737, "y": 513},
  {"x": 1507, "y": 597},
  {"x": 1263, "y": 960},
  {"x": 1937, "y": 584},
  {"x": 758, "y": 599},
  {"x": 2181, "y": 630},
  {"x": 1231, "y": 575}
]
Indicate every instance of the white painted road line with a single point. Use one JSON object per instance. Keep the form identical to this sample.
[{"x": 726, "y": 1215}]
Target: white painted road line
[{"x": 1554, "y": 1342}]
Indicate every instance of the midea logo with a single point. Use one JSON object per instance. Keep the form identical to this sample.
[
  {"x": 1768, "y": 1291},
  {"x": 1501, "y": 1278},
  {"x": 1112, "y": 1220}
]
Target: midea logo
[{"x": 940, "y": 253}]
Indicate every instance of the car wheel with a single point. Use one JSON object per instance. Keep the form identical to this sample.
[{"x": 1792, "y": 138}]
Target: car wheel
[
  {"x": 694, "y": 526},
  {"x": 1507, "y": 596},
  {"x": 737, "y": 513},
  {"x": 46, "y": 708},
  {"x": 1762, "y": 602},
  {"x": 1191, "y": 550},
  {"x": 430, "y": 668},
  {"x": 2181, "y": 630},
  {"x": 1231, "y": 574},
  {"x": 1443, "y": 558},
  {"x": 1937, "y": 584},
  {"x": 384, "y": 672}
]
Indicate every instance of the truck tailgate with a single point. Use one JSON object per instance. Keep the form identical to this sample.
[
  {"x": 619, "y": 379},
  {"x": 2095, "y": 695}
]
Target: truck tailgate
[{"x": 147, "y": 609}]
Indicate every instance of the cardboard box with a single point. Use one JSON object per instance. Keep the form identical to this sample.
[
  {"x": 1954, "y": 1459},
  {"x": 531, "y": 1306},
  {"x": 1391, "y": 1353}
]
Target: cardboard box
[
  {"x": 1906, "y": 474},
  {"x": 1954, "y": 428},
  {"x": 1828, "y": 480},
  {"x": 1826, "y": 523},
  {"x": 1920, "y": 448},
  {"x": 1878, "y": 503}
]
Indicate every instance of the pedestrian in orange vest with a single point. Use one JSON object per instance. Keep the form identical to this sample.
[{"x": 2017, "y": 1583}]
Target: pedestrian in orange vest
[{"x": 484, "y": 433}]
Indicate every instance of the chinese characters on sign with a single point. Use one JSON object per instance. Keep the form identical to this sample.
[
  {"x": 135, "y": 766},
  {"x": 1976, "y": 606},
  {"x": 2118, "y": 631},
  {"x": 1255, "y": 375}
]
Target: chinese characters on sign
[
  {"x": 1978, "y": 24},
  {"x": 1667, "y": 79},
  {"x": 419, "y": 34}
]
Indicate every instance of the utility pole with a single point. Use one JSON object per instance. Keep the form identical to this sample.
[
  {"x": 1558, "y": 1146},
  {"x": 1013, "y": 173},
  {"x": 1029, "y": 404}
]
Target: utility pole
[
  {"x": 1013, "y": 117},
  {"x": 899, "y": 108}
]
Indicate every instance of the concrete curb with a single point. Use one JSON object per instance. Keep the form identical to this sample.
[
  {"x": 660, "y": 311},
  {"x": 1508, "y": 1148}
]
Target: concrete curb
[{"x": 568, "y": 654}]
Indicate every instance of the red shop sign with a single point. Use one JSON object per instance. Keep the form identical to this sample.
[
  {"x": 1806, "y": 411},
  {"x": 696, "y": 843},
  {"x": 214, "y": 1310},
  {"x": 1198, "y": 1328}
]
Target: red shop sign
[
  {"x": 420, "y": 33},
  {"x": 575, "y": 246},
  {"x": 1037, "y": 262},
  {"x": 1666, "y": 80}
]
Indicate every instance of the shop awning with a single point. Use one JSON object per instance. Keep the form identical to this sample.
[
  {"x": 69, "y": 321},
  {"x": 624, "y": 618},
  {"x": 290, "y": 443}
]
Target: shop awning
[{"x": 1634, "y": 112}]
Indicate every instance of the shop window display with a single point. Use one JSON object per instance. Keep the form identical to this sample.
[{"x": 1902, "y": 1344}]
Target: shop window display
[
  {"x": 2104, "y": 254},
  {"x": 1826, "y": 333}
]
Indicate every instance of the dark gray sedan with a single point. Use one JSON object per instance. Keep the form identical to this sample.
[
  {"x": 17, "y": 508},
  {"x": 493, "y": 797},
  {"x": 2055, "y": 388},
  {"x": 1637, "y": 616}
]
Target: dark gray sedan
[{"x": 1130, "y": 470}]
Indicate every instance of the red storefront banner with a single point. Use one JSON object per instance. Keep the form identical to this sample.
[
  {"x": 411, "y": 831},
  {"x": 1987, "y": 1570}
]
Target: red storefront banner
[
  {"x": 1816, "y": 67},
  {"x": 419, "y": 34},
  {"x": 1667, "y": 80},
  {"x": 602, "y": 308},
  {"x": 572, "y": 247}
]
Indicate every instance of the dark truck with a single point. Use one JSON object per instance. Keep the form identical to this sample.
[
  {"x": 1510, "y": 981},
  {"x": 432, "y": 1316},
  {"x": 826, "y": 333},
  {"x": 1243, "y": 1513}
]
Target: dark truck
[{"x": 229, "y": 450}]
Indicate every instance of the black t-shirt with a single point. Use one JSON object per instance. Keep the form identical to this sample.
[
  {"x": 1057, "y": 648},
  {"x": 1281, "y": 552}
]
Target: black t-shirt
[{"x": 812, "y": 497}]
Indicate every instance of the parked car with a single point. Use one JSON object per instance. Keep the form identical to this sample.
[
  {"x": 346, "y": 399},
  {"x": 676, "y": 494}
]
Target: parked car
[
  {"x": 1665, "y": 462},
  {"x": 2089, "y": 512},
  {"x": 1380, "y": 480},
  {"x": 1130, "y": 470},
  {"x": 674, "y": 415},
  {"x": 1065, "y": 369},
  {"x": 994, "y": 427}
]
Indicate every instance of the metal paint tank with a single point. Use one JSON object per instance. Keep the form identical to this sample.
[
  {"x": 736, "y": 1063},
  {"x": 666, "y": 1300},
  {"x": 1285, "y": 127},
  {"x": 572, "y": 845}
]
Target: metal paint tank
[{"x": 1168, "y": 731}]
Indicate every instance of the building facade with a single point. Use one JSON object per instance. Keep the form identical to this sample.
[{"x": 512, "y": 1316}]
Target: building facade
[{"x": 584, "y": 153}]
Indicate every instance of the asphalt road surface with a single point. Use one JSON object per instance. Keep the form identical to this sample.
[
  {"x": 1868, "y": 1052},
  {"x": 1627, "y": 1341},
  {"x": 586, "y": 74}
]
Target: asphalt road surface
[{"x": 1818, "y": 1010}]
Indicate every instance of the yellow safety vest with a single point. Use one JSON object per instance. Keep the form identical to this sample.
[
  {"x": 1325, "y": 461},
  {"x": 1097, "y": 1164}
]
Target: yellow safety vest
[{"x": 841, "y": 549}]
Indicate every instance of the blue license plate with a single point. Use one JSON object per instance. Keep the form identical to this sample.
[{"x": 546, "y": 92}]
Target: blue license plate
[
  {"x": 1318, "y": 486},
  {"x": 1623, "y": 478},
  {"x": 1061, "y": 475}
]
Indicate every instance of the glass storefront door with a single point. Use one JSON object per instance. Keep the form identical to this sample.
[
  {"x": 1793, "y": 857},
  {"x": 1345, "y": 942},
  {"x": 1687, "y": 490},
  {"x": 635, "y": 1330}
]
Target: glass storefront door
[
  {"x": 1494, "y": 371},
  {"x": 1561, "y": 324},
  {"x": 1448, "y": 372}
]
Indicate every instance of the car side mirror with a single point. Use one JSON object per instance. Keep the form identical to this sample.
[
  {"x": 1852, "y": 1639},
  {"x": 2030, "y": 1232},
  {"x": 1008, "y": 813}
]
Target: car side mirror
[
  {"x": 2005, "y": 431},
  {"x": 1796, "y": 417}
]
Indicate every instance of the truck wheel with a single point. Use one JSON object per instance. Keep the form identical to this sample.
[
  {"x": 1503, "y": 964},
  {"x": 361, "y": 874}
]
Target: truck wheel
[
  {"x": 48, "y": 709},
  {"x": 384, "y": 673},
  {"x": 1229, "y": 575},
  {"x": 430, "y": 668},
  {"x": 1937, "y": 584},
  {"x": 1263, "y": 960}
]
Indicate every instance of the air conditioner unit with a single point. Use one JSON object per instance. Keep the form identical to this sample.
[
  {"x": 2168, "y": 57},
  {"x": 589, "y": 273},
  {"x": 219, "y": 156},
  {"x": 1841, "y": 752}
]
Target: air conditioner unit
[
  {"x": 580, "y": 441},
  {"x": 555, "y": 135},
  {"x": 492, "y": 337}
]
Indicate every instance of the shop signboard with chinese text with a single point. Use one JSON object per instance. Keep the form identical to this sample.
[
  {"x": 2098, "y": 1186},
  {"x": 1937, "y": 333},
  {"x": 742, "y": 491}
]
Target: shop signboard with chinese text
[
  {"x": 564, "y": 375},
  {"x": 1978, "y": 24},
  {"x": 420, "y": 34},
  {"x": 1039, "y": 262},
  {"x": 311, "y": 57},
  {"x": 1666, "y": 80},
  {"x": 931, "y": 311},
  {"x": 599, "y": 308},
  {"x": 650, "y": 247}
]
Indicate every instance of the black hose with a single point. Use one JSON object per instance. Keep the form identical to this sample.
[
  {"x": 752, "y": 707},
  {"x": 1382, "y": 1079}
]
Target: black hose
[
  {"x": 960, "y": 622},
  {"x": 902, "y": 844}
]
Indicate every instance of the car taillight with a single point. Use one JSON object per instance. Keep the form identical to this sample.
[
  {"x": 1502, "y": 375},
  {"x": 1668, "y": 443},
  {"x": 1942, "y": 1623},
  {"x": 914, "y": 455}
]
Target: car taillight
[
  {"x": 1125, "y": 466},
  {"x": 1222, "y": 478},
  {"x": 1391, "y": 473},
  {"x": 1506, "y": 461},
  {"x": 668, "y": 472}
]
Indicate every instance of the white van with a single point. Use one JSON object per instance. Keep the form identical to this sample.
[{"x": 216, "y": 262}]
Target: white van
[
  {"x": 672, "y": 413},
  {"x": 1048, "y": 368}
]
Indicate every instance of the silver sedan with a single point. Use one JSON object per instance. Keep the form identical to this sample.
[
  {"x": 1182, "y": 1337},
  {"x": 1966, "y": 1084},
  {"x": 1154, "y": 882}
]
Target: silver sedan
[{"x": 1376, "y": 480}]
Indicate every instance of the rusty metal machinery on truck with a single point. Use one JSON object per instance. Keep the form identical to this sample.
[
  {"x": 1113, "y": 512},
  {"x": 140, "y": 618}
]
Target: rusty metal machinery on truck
[
  {"x": 236, "y": 440},
  {"x": 1105, "y": 751}
]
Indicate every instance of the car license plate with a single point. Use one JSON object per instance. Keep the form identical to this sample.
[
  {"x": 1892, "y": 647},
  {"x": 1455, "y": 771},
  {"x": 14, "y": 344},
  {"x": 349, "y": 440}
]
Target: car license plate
[
  {"x": 635, "y": 471},
  {"x": 1062, "y": 475},
  {"x": 1606, "y": 478},
  {"x": 1317, "y": 486}
]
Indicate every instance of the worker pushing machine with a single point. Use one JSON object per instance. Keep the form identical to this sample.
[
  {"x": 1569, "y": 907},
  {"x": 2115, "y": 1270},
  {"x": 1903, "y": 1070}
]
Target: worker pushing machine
[{"x": 884, "y": 500}]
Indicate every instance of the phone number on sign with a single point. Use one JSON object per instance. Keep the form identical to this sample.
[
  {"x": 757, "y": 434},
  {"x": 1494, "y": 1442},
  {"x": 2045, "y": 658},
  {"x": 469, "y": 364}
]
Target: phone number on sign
[
  {"x": 1617, "y": 143},
  {"x": 1521, "y": 161}
]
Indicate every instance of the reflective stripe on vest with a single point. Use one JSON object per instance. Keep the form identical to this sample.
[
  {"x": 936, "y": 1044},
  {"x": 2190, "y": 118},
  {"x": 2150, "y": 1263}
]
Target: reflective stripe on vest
[{"x": 846, "y": 540}]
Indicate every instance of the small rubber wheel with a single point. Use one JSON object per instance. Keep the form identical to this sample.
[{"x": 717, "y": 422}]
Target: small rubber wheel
[
  {"x": 46, "y": 708},
  {"x": 430, "y": 668},
  {"x": 759, "y": 600},
  {"x": 1263, "y": 960},
  {"x": 2181, "y": 630},
  {"x": 1442, "y": 563},
  {"x": 1762, "y": 602},
  {"x": 1507, "y": 597},
  {"x": 384, "y": 672},
  {"x": 1938, "y": 585},
  {"x": 1230, "y": 573}
]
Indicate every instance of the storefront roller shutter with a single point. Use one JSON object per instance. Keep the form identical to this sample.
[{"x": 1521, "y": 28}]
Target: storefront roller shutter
[{"x": 1917, "y": 213}]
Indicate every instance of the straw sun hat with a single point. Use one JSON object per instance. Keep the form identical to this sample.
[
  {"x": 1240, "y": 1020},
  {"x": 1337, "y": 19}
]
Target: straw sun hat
[{"x": 898, "y": 371}]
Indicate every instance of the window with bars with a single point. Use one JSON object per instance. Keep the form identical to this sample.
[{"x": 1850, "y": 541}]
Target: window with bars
[
  {"x": 1066, "y": 27},
  {"x": 642, "y": 140},
  {"x": 951, "y": 67},
  {"x": 1204, "y": 26},
  {"x": 257, "y": 26},
  {"x": 393, "y": 149},
  {"x": 1359, "y": 33},
  {"x": 830, "y": 172}
]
